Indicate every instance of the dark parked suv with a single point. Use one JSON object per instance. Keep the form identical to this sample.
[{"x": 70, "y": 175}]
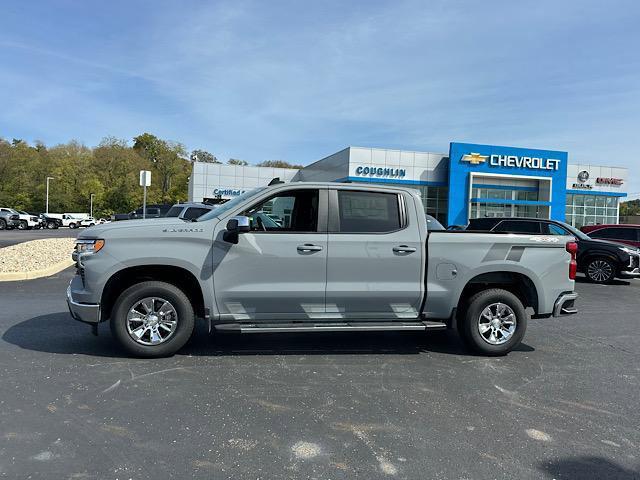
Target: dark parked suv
[{"x": 600, "y": 260}]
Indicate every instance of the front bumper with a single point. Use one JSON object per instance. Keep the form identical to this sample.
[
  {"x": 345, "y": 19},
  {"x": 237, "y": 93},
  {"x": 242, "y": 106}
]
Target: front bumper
[
  {"x": 83, "y": 312},
  {"x": 635, "y": 273},
  {"x": 632, "y": 270},
  {"x": 565, "y": 304}
]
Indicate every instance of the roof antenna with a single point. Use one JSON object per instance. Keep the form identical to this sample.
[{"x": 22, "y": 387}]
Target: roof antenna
[{"x": 275, "y": 181}]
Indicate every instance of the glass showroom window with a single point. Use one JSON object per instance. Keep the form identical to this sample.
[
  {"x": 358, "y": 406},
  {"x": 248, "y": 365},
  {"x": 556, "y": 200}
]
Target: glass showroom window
[
  {"x": 590, "y": 209},
  {"x": 435, "y": 200},
  {"x": 482, "y": 210}
]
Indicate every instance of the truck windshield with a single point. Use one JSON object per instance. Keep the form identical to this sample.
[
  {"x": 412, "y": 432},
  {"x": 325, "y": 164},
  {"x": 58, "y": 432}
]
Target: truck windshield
[{"x": 230, "y": 205}]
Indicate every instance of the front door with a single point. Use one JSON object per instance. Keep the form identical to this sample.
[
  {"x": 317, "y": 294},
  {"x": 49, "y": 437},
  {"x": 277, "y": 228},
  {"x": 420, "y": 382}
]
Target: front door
[
  {"x": 376, "y": 263},
  {"x": 277, "y": 271}
]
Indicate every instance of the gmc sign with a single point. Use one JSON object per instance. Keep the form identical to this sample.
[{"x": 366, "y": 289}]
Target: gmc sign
[{"x": 609, "y": 181}]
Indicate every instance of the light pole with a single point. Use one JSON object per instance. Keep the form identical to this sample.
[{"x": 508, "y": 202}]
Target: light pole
[
  {"x": 91, "y": 207},
  {"x": 47, "y": 201}
]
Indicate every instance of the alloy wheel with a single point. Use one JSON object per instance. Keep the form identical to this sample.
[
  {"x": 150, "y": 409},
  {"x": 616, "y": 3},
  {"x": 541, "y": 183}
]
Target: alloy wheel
[
  {"x": 600, "y": 271},
  {"x": 152, "y": 321},
  {"x": 497, "y": 323}
]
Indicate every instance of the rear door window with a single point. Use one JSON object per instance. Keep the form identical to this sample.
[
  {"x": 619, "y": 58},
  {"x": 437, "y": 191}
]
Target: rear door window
[
  {"x": 368, "y": 212},
  {"x": 518, "y": 226}
]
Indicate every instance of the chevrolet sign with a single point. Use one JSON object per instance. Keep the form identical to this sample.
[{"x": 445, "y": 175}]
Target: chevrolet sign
[
  {"x": 474, "y": 158},
  {"x": 533, "y": 163}
]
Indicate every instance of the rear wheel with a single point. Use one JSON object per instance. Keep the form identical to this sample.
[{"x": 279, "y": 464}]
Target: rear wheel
[
  {"x": 152, "y": 319},
  {"x": 494, "y": 322},
  {"x": 600, "y": 270},
  {"x": 51, "y": 225}
]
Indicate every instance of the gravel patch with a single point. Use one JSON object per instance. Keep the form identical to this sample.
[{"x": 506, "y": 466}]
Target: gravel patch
[{"x": 35, "y": 255}]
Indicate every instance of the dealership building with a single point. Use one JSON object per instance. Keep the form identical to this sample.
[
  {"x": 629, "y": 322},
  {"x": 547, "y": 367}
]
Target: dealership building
[{"x": 470, "y": 181}]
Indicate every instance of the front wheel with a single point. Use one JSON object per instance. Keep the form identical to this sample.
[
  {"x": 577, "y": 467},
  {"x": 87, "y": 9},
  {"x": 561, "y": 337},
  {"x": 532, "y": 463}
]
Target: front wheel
[
  {"x": 493, "y": 323},
  {"x": 73, "y": 225},
  {"x": 3, "y": 224},
  {"x": 22, "y": 225},
  {"x": 600, "y": 270},
  {"x": 152, "y": 319}
]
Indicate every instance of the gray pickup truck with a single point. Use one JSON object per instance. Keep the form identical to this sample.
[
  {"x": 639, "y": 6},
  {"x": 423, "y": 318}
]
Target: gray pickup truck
[{"x": 316, "y": 257}]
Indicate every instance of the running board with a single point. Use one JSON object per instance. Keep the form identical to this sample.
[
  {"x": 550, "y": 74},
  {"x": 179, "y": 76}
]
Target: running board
[{"x": 329, "y": 327}]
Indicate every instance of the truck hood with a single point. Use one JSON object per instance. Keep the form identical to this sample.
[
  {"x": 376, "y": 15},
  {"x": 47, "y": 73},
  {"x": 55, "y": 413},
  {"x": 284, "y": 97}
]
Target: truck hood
[{"x": 136, "y": 228}]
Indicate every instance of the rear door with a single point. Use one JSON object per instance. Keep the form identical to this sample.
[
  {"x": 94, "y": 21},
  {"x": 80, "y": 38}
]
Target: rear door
[{"x": 375, "y": 263}]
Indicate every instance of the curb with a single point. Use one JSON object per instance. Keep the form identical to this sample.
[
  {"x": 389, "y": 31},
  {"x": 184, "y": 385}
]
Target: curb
[{"x": 45, "y": 272}]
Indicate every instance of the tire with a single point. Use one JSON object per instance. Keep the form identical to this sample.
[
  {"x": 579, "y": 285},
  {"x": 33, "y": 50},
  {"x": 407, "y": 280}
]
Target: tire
[
  {"x": 22, "y": 225},
  {"x": 3, "y": 224},
  {"x": 485, "y": 308},
  {"x": 73, "y": 225},
  {"x": 51, "y": 225},
  {"x": 179, "y": 310},
  {"x": 600, "y": 270}
]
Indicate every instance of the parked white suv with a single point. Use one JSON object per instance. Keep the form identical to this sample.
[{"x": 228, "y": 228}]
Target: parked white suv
[{"x": 26, "y": 220}]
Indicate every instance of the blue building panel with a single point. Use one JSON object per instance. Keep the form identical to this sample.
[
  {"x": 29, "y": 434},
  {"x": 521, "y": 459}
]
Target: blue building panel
[{"x": 468, "y": 158}]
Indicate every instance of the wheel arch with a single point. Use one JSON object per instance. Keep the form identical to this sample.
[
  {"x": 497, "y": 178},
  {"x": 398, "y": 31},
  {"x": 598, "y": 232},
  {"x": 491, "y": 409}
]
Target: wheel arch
[
  {"x": 174, "y": 275},
  {"x": 515, "y": 282},
  {"x": 589, "y": 256}
]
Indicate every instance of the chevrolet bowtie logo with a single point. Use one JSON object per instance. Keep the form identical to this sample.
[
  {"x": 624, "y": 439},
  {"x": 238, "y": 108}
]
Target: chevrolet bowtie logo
[{"x": 474, "y": 158}]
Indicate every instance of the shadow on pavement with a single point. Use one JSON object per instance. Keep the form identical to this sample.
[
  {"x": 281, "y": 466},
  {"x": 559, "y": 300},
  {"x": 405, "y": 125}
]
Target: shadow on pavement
[
  {"x": 582, "y": 279},
  {"x": 590, "y": 467},
  {"x": 59, "y": 333}
]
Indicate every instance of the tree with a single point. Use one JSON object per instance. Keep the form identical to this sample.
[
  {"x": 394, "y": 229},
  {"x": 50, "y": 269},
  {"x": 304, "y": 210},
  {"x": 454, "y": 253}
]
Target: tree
[
  {"x": 278, "y": 164},
  {"x": 235, "y": 161},
  {"x": 167, "y": 159},
  {"x": 203, "y": 156},
  {"x": 631, "y": 207},
  {"x": 109, "y": 171}
]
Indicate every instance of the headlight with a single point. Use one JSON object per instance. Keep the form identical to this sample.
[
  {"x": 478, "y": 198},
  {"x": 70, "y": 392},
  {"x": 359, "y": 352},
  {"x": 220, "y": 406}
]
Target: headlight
[
  {"x": 629, "y": 251},
  {"x": 89, "y": 245}
]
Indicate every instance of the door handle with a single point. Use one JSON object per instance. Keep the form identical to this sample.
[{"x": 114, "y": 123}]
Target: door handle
[
  {"x": 404, "y": 249},
  {"x": 308, "y": 247}
]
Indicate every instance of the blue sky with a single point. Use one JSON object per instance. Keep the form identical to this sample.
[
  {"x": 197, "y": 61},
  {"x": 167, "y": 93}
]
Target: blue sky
[{"x": 297, "y": 80}]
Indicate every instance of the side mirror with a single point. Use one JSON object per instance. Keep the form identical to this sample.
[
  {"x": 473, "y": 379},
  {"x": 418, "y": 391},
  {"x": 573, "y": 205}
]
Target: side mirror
[{"x": 236, "y": 226}]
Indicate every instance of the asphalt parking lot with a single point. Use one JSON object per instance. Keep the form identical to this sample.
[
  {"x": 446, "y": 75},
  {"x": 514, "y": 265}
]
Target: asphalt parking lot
[
  {"x": 11, "y": 237},
  {"x": 406, "y": 406}
]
